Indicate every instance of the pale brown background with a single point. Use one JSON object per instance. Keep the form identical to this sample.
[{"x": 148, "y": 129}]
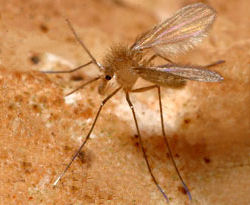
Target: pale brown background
[{"x": 207, "y": 124}]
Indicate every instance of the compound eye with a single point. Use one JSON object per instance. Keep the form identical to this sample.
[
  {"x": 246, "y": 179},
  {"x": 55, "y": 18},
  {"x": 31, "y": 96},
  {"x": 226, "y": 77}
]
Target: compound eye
[{"x": 108, "y": 77}]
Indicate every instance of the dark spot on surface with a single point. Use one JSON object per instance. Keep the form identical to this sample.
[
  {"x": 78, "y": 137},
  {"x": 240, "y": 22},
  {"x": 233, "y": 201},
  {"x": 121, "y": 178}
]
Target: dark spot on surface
[
  {"x": 207, "y": 160},
  {"x": 30, "y": 198},
  {"x": 187, "y": 121},
  {"x": 182, "y": 190},
  {"x": 84, "y": 113},
  {"x": 11, "y": 106},
  {"x": 43, "y": 99},
  {"x": 27, "y": 167},
  {"x": 81, "y": 157},
  {"x": 76, "y": 78},
  {"x": 119, "y": 3},
  {"x": 70, "y": 39},
  {"x": 74, "y": 188},
  {"x": 44, "y": 28},
  {"x": 19, "y": 98},
  {"x": 89, "y": 199},
  {"x": 177, "y": 155},
  {"x": 35, "y": 59},
  {"x": 168, "y": 155},
  {"x": 137, "y": 144},
  {"x": 136, "y": 136},
  {"x": 35, "y": 107},
  {"x": 198, "y": 116},
  {"x": 110, "y": 197},
  {"x": 26, "y": 164},
  {"x": 67, "y": 148},
  {"x": 53, "y": 116}
]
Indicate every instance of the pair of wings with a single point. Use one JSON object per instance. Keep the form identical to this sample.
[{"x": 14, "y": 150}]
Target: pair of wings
[{"x": 178, "y": 34}]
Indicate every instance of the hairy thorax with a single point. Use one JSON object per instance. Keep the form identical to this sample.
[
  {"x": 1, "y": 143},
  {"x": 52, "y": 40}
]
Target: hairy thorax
[{"x": 121, "y": 62}]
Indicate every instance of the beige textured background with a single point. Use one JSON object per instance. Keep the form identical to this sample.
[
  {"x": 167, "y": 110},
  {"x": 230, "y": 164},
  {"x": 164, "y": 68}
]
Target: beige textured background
[{"x": 207, "y": 124}]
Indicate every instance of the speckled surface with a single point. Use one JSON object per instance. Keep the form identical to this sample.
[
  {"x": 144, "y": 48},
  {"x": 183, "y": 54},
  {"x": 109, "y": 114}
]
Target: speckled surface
[{"x": 207, "y": 124}]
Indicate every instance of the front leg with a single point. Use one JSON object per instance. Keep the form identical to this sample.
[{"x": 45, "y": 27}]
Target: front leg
[{"x": 67, "y": 71}]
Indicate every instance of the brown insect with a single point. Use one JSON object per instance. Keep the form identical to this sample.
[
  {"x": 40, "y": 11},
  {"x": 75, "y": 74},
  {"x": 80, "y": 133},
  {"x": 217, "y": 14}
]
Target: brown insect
[{"x": 176, "y": 35}]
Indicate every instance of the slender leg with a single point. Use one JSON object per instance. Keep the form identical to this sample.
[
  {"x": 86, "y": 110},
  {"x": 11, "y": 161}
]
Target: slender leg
[
  {"x": 68, "y": 71},
  {"x": 83, "y": 85},
  {"x": 87, "y": 137},
  {"x": 214, "y": 64},
  {"x": 73, "y": 70},
  {"x": 143, "y": 89},
  {"x": 158, "y": 55},
  {"x": 168, "y": 146},
  {"x": 143, "y": 149}
]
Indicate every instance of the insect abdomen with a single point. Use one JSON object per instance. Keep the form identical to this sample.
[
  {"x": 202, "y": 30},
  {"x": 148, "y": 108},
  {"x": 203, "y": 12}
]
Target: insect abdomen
[{"x": 162, "y": 79}]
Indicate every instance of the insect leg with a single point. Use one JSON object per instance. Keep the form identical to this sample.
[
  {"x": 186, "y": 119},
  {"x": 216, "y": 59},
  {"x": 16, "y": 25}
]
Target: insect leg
[
  {"x": 214, "y": 64},
  {"x": 83, "y": 85},
  {"x": 87, "y": 137},
  {"x": 158, "y": 55},
  {"x": 143, "y": 89},
  {"x": 68, "y": 71},
  {"x": 143, "y": 149},
  {"x": 168, "y": 146}
]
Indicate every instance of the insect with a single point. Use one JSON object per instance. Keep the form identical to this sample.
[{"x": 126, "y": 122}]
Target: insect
[{"x": 178, "y": 34}]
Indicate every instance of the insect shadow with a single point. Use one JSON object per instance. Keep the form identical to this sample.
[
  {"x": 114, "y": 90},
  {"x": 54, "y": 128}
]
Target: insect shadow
[{"x": 176, "y": 35}]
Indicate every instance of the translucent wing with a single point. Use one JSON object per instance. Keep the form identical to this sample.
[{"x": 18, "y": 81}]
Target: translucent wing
[
  {"x": 180, "y": 32},
  {"x": 174, "y": 75}
]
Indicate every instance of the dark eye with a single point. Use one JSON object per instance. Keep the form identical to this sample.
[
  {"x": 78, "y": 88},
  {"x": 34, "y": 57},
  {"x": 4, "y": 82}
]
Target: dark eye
[{"x": 108, "y": 77}]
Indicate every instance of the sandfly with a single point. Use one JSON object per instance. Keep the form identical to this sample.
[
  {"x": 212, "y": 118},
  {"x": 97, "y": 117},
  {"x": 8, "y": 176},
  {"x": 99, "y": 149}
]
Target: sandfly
[{"x": 178, "y": 34}]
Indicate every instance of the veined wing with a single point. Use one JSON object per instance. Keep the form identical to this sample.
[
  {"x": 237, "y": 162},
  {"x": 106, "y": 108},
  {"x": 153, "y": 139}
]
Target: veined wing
[
  {"x": 181, "y": 32},
  {"x": 175, "y": 74}
]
